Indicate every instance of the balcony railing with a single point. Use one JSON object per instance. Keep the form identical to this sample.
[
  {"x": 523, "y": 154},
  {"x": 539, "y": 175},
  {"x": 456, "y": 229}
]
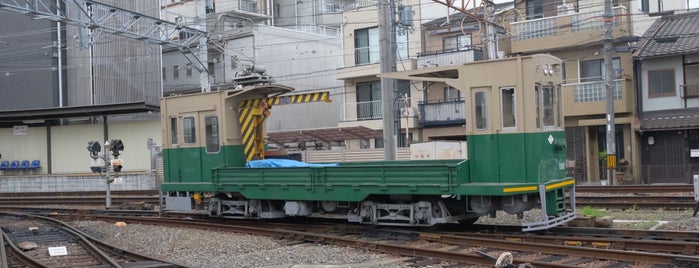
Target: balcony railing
[
  {"x": 369, "y": 110},
  {"x": 373, "y": 110},
  {"x": 576, "y": 22},
  {"x": 442, "y": 113},
  {"x": 448, "y": 57},
  {"x": 316, "y": 29},
  {"x": 365, "y": 3},
  {"x": 690, "y": 91},
  {"x": 595, "y": 91}
]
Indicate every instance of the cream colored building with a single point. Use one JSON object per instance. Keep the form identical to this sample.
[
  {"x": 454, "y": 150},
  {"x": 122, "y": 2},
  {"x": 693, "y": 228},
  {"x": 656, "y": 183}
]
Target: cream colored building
[{"x": 573, "y": 31}]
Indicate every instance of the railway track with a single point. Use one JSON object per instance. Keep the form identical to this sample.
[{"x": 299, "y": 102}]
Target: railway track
[
  {"x": 37, "y": 241},
  {"x": 465, "y": 248},
  {"x": 618, "y": 197}
]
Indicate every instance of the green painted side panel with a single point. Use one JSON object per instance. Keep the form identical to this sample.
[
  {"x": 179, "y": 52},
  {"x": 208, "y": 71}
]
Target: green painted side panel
[
  {"x": 517, "y": 158},
  {"x": 346, "y": 182},
  {"x": 195, "y": 165}
]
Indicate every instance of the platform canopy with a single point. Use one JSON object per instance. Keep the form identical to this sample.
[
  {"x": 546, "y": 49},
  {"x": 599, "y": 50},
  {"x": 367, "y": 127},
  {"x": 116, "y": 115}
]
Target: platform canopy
[{"x": 327, "y": 135}]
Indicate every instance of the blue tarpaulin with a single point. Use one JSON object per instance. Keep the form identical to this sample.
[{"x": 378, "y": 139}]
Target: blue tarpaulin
[{"x": 266, "y": 163}]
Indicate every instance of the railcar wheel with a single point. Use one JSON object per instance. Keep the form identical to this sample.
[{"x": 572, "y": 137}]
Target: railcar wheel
[
  {"x": 328, "y": 206},
  {"x": 481, "y": 204}
]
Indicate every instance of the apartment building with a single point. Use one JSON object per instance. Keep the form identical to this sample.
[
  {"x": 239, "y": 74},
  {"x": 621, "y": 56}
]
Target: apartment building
[
  {"x": 283, "y": 42},
  {"x": 573, "y": 31},
  {"x": 361, "y": 63},
  {"x": 457, "y": 39},
  {"x": 667, "y": 71}
]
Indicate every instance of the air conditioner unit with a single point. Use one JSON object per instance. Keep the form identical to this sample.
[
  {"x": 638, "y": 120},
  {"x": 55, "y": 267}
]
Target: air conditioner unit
[{"x": 565, "y": 9}]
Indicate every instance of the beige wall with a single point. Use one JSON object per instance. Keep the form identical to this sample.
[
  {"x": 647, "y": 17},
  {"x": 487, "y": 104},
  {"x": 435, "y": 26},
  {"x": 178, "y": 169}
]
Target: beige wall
[{"x": 69, "y": 145}]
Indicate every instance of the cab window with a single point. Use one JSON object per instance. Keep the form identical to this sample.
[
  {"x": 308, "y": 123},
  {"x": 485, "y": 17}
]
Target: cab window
[
  {"x": 211, "y": 133},
  {"x": 481, "y": 110},
  {"x": 537, "y": 105},
  {"x": 508, "y": 107},
  {"x": 173, "y": 131},
  {"x": 189, "y": 130},
  {"x": 548, "y": 95}
]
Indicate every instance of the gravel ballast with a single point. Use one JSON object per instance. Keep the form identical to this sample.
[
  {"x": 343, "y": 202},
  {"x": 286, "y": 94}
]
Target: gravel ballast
[{"x": 202, "y": 248}]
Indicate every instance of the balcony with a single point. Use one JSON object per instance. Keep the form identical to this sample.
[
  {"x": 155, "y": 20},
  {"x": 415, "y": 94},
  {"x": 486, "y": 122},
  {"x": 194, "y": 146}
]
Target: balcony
[
  {"x": 589, "y": 98},
  {"x": 568, "y": 30},
  {"x": 442, "y": 113},
  {"x": 448, "y": 57},
  {"x": 373, "y": 110}
]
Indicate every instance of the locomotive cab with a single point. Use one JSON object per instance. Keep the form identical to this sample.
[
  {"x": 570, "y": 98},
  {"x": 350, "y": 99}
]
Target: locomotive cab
[{"x": 515, "y": 135}]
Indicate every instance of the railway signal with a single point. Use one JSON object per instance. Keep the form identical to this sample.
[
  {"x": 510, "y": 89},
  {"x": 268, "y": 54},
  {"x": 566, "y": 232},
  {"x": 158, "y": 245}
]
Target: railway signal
[{"x": 103, "y": 164}]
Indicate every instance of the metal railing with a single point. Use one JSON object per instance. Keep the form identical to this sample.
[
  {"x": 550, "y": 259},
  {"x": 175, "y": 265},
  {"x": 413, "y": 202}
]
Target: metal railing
[
  {"x": 447, "y": 112},
  {"x": 372, "y": 110},
  {"x": 316, "y": 29},
  {"x": 577, "y": 22},
  {"x": 448, "y": 57}
]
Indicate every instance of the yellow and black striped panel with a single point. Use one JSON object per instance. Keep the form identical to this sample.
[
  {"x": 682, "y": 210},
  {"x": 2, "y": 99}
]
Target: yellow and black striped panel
[
  {"x": 251, "y": 116},
  {"x": 248, "y": 123},
  {"x": 290, "y": 99}
]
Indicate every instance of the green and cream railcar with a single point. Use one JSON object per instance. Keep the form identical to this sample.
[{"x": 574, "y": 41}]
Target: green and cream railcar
[{"x": 516, "y": 157}]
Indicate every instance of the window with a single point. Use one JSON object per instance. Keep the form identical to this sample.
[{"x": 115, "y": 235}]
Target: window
[
  {"x": 508, "y": 107},
  {"x": 661, "y": 83},
  {"x": 173, "y": 131},
  {"x": 401, "y": 44},
  {"x": 369, "y": 100},
  {"x": 332, "y": 6},
  {"x": 537, "y": 105},
  {"x": 164, "y": 73},
  {"x": 188, "y": 69},
  {"x": 535, "y": 9},
  {"x": 366, "y": 45},
  {"x": 367, "y": 49},
  {"x": 211, "y": 133},
  {"x": 189, "y": 129},
  {"x": 548, "y": 100},
  {"x": 456, "y": 43},
  {"x": 175, "y": 71},
  {"x": 480, "y": 102},
  {"x": 645, "y": 6},
  {"x": 451, "y": 94},
  {"x": 403, "y": 88},
  {"x": 593, "y": 70}
]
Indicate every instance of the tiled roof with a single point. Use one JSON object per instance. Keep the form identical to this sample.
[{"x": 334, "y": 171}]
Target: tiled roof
[
  {"x": 670, "y": 119},
  {"x": 671, "y": 35}
]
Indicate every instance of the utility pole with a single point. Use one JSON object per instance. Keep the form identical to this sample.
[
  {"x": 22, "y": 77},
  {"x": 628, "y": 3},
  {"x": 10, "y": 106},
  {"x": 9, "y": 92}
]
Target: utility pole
[
  {"x": 386, "y": 36},
  {"x": 203, "y": 48},
  {"x": 611, "y": 142}
]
